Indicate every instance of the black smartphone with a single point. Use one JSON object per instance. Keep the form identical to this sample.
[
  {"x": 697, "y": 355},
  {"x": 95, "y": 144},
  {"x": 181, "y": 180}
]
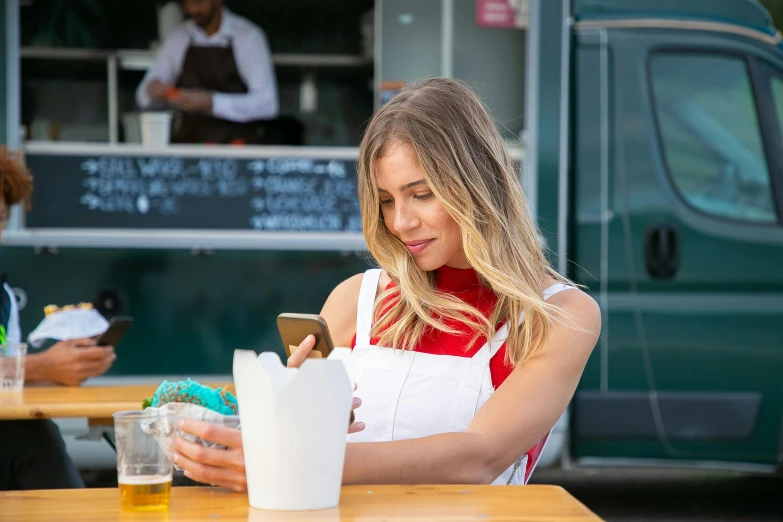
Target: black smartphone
[
  {"x": 118, "y": 327},
  {"x": 294, "y": 328}
]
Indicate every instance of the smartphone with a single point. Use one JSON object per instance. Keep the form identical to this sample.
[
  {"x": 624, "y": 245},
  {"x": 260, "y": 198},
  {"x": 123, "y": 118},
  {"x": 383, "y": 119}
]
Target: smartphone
[
  {"x": 294, "y": 328},
  {"x": 118, "y": 327}
]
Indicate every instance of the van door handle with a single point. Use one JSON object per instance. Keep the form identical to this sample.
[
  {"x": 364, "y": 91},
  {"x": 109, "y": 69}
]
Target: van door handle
[{"x": 662, "y": 252}]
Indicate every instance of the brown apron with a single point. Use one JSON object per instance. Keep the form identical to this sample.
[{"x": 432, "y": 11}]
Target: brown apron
[{"x": 212, "y": 69}]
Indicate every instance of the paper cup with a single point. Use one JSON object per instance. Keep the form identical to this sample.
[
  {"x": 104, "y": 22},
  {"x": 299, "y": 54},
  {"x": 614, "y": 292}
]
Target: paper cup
[{"x": 155, "y": 128}]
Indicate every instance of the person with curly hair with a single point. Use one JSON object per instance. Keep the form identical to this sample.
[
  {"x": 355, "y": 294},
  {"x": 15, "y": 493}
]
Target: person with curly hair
[{"x": 32, "y": 452}]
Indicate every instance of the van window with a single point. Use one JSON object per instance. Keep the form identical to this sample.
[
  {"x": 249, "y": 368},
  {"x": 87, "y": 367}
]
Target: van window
[{"x": 711, "y": 136}]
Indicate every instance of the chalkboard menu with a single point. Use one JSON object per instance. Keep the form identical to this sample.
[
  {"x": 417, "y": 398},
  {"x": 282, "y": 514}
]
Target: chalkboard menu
[{"x": 174, "y": 192}]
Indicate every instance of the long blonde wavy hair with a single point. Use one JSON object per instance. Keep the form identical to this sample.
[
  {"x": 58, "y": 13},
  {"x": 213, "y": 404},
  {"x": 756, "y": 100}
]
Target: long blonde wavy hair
[{"x": 469, "y": 169}]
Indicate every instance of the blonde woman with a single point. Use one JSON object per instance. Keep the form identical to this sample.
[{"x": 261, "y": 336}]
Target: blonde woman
[{"x": 460, "y": 264}]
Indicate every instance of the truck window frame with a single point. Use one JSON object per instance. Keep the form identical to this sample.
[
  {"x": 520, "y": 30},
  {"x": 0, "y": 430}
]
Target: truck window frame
[
  {"x": 769, "y": 130},
  {"x": 762, "y": 72}
]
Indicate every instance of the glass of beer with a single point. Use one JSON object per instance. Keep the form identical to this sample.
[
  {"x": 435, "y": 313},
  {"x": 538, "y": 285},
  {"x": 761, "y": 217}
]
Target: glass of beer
[{"x": 144, "y": 470}]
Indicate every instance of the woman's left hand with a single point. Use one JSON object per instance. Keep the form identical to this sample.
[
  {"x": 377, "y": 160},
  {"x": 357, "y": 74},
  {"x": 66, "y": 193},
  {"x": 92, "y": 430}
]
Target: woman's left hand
[{"x": 218, "y": 467}]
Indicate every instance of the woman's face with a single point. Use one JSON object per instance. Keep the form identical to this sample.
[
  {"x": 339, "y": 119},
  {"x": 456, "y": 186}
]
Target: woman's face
[{"x": 414, "y": 215}]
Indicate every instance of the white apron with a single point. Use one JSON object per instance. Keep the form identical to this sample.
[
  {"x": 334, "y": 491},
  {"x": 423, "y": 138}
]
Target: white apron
[{"x": 407, "y": 394}]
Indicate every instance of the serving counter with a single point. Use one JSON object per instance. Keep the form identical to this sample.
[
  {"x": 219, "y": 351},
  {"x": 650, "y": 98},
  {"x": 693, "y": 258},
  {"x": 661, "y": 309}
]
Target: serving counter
[{"x": 192, "y": 197}]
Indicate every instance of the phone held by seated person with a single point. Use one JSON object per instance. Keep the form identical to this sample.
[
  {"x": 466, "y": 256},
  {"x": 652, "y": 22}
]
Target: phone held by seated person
[
  {"x": 118, "y": 327},
  {"x": 294, "y": 328}
]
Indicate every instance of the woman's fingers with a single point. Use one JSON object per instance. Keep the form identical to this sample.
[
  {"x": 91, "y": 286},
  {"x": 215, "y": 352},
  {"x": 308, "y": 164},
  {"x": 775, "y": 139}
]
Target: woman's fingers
[
  {"x": 302, "y": 351},
  {"x": 206, "y": 474},
  {"x": 355, "y": 426},
  {"x": 214, "y": 457},
  {"x": 221, "y": 467},
  {"x": 229, "y": 437}
]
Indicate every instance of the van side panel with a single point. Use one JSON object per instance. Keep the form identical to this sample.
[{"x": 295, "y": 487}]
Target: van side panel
[{"x": 692, "y": 158}]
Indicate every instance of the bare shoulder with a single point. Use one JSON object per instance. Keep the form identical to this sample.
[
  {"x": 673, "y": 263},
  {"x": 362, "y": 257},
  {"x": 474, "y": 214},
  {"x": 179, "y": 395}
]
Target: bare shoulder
[
  {"x": 572, "y": 298},
  {"x": 582, "y": 315},
  {"x": 576, "y": 300},
  {"x": 339, "y": 311}
]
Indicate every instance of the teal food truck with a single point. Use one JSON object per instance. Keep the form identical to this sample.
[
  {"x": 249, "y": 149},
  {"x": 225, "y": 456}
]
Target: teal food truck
[{"x": 652, "y": 154}]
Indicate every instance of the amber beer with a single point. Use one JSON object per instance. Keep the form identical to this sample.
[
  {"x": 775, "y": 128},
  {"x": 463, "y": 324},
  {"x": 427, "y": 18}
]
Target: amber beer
[
  {"x": 144, "y": 471},
  {"x": 145, "y": 492}
]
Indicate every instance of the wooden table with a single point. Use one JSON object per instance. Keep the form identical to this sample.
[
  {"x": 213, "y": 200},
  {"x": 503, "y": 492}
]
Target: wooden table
[
  {"x": 398, "y": 503},
  {"x": 96, "y": 403}
]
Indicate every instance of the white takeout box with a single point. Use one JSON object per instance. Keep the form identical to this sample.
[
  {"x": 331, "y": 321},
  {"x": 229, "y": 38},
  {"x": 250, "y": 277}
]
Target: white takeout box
[{"x": 294, "y": 429}]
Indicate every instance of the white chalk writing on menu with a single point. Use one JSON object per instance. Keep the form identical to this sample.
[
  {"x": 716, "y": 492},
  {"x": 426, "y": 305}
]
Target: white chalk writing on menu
[{"x": 279, "y": 193}]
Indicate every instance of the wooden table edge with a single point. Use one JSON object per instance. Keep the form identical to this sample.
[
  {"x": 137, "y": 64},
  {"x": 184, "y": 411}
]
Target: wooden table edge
[
  {"x": 99, "y": 412},
  {"x": 554, "y": 487},
  {"x": 586, "y": 515},
  {"x": 68, "y": 411}
]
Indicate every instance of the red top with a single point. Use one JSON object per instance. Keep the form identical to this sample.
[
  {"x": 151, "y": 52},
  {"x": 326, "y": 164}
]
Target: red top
[{"x": 465, "y": 284}]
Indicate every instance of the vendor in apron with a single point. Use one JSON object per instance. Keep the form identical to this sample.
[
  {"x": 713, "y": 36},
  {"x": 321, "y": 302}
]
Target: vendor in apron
[
  {"x": 216, "y": 71},
  {"x": 467, "y": 345}
]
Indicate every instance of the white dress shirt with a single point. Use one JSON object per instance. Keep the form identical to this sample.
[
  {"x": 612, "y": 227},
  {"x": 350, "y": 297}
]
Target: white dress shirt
[{"x": 254, "y": 63}]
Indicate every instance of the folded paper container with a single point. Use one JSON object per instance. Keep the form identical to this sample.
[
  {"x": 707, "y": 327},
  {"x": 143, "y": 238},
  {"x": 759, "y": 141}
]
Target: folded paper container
[{"x": 294, "y": 430}]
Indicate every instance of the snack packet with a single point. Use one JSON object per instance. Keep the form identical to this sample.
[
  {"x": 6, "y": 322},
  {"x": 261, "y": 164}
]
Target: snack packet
[{"x": 188, "y": 400}]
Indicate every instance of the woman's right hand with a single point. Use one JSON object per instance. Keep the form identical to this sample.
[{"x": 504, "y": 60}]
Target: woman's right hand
[
  {"x": 302, "y": 352},
  {"x": 299, "y": 356}
]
